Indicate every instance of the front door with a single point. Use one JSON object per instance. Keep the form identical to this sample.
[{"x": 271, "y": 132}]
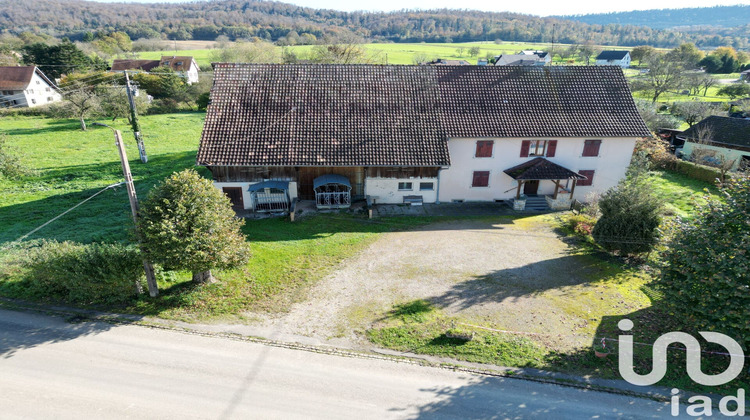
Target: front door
[
  {"x": 235, "y": 196},
  {"x": 530, "y": 187}
]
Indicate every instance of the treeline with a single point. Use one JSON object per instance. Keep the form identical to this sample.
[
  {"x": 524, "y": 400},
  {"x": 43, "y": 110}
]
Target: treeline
[
  {"x": 290, "y": 25},
  {"x": 722, "y": 16}
]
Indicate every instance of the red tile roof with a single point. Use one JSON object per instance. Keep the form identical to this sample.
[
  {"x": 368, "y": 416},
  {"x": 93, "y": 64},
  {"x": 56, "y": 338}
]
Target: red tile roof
[
  {"x": 369, "y": 115},
  {"x": 145, "y": 65},
  {"x": 18, "y": 78}
]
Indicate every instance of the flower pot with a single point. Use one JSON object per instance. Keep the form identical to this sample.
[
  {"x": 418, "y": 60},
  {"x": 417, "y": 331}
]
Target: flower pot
[{"x": 601, "y": 353}]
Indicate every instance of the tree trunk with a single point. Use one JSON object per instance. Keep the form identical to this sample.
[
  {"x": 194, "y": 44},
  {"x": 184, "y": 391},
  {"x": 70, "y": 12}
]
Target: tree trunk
[
  {"x": 83, "y": 124},
  {"x": 203, "y": 277}
]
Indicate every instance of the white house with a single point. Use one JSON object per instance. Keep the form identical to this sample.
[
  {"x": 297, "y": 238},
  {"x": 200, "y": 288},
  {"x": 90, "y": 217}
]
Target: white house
[
  {"x": 183, "y": 65},
  {"x": 26, "y": 86},
  {"x": 429, "y": 134},
  {"x": 717, "y": 140},
  {"x": 613, "y": 58}
]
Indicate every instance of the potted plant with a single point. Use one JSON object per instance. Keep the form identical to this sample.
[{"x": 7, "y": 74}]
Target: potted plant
[{"x": 601, "y": 349}]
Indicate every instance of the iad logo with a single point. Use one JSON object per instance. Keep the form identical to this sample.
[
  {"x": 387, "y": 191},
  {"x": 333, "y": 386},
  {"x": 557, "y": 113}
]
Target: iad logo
[{"x": 703, "y": 404}]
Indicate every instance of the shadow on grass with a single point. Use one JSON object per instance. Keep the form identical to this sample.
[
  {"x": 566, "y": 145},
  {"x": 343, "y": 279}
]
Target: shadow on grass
[
  {"x": 50, "y": 126},
  {"x": 104, "y": 218}
]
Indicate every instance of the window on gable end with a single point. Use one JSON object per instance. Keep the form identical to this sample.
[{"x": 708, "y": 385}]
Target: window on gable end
[
  {"x": 481, "y": 179},
  {"x": 484, "y": 148},
  {"x": 586, "y": 182},
  {"x": 591, "y": 147}
]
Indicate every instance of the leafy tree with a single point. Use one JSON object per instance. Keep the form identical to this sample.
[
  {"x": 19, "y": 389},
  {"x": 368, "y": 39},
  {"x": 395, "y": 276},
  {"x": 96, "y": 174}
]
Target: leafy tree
[
  {"x": 161, "y": 82},
  {"x": 735, "y": 90},
  {"x": 474, "y": 51},
  {"x": 631, "y": 214},
  {"x": 188, "y": 224},
  {"x": 83, "y": 93},
  {"x": 688, "y": 54},
  {"x": 56, "y": 60},
  {"x": 704, "y": 278},
  {"x": 460, "y": 51},
  {"x": 711, "y": 64},
  {"x": 721, "y": 60},
  {"x": 641, "y": 53}
]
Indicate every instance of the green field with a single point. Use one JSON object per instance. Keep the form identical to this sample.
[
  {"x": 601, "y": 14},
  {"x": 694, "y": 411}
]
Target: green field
[
  {"x": 394, "y": 53},
  {"x": 72, "y": 165}
]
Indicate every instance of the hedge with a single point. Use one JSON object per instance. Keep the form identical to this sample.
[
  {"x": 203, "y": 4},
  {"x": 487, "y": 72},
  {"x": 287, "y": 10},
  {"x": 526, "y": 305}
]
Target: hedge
[{"x": 696, "y": 171}]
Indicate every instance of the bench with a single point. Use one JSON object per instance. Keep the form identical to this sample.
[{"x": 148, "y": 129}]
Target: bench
[{"x": 414, "y": 200}]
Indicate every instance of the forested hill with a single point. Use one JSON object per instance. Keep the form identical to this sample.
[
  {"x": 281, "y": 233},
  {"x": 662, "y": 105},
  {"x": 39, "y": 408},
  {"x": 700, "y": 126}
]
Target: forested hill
[
  {"x": 723, "y": 16},
  {"x": 274, "y": 21}
]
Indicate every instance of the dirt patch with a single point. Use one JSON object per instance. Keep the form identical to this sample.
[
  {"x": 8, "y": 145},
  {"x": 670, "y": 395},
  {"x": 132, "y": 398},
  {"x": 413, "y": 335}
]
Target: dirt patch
[{"x": 506, "y": 274}]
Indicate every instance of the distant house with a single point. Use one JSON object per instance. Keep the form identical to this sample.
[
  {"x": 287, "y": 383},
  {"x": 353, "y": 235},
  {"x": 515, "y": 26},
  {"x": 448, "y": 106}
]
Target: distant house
[
  {"x": 430, "y": 134},
  {"x": 523, "y": 58},
  {"x": 26, "y": 86},
  {"x": 745, "y": 76},
  {"x": 542, "y": 55},
  {"x": 718, "y": 139},
  {"x": 614, "y": 58},
  {"x": 184, "y": 65}
]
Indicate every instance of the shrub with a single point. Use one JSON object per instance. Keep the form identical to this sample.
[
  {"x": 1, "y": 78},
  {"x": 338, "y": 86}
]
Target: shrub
[
  {"x": 581, "y": 224},
  {"x": 697, "y": 171},
  {"x": 631, "y": 214},
  {"x": 657, "y": 152},
  {"x": 93, "y": 273},
  {"x": 706, "y": 274}
]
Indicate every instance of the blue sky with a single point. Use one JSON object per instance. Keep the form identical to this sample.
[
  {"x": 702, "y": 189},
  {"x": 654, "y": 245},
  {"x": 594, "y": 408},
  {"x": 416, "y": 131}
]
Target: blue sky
[{"x": 537, "y": 7}]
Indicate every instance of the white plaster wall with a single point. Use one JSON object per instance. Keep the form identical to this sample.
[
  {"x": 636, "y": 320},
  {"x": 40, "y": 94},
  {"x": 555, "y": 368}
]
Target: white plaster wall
[
  {"x": 246, "y": 194},
  {"x": 38, "y": 90},
  {"x": 455, "y": 182},
  {"x": 385, "y": 190},
  {"x": 729, "y": 154}
]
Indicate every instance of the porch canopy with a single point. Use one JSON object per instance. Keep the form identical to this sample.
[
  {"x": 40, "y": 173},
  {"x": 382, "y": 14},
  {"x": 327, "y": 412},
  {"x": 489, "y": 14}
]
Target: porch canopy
[
  {"x": 332, "y": 191},
  {"x": 270, "y": 196},
  {"x": 542, "y": 169}
]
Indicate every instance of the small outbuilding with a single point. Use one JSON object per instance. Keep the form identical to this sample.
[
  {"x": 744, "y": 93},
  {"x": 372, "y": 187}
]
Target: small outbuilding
[{"x": 332, "y": 192}]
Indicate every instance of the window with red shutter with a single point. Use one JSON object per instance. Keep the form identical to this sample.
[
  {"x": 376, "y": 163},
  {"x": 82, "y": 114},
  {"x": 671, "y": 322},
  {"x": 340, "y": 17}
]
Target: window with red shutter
[
  {"x": 484, "y": 148},
  {"x": 590, "y": 178},
  {"x": 551, "y": 148},
  {"x": 591, "y": 147},
  {"x": 481, "y": 179},
  {"x": 525, "y": 148}
]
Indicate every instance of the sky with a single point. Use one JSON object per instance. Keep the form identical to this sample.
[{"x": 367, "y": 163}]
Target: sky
[{"x": 536, "y": 7}]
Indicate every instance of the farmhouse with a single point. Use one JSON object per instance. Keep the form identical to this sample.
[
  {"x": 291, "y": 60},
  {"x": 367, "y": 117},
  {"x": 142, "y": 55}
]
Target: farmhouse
[
  {"x": 184, "y": 65},
  {"x": 614, "y": 58},
  {"x": 26, "y": 86},
  {"x": 418, "y": 133},
  {"x": 719, "y": 140}
]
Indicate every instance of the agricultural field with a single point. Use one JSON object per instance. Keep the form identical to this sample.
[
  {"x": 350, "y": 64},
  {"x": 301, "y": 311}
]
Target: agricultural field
[{"x": 392, "y": 53}]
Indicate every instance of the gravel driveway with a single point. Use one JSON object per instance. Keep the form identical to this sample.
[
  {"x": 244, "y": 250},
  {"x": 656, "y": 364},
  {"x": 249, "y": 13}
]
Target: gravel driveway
[{"x": 510, "y": 274}]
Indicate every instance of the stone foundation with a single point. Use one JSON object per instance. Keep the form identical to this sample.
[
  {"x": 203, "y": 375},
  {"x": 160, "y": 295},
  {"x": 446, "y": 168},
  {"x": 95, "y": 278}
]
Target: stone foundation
[
  {"x": 561, "y": 203},
  {"x": 519, "y": 204}
]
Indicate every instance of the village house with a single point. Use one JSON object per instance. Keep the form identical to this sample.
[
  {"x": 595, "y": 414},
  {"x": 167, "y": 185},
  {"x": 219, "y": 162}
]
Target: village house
[
  {"x": 183, "y": 65},
  {"x": 429, "y": 134},
  {"x": 26, "y": 86},
  {"x": 613, "y": 58},
  {"x": 719, "y": 140}
]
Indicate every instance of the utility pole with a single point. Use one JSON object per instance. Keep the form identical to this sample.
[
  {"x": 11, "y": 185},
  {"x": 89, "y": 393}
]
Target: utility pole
[
  {"x": 153, "y": 288},
  {"x": 134, "y": 120}
]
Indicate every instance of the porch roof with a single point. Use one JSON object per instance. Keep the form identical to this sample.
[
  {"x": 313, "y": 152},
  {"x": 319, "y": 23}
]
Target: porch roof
[
  {"x": 279, "y": 185},
  {"x": 541, "y": 169}
]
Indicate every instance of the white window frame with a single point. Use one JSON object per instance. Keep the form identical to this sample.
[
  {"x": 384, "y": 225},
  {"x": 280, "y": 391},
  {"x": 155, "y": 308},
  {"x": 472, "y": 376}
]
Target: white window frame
[
  {"x": 410, "y": 184},
  {"x": 534, "y": 147},
  {"x": 432, "y": 186}
]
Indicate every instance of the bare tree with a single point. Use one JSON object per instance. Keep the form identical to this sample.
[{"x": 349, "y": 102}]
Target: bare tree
[
  {"x": 694, "y": 111},
  {"x": 663, "y": 76},
  {"x": 345, "y": 49},
  {"x": 587, "y": 50}
]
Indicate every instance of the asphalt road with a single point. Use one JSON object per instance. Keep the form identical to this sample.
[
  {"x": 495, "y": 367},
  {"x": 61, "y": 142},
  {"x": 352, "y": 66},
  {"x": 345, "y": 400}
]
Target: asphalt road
[{"x": 53, "y": 369}]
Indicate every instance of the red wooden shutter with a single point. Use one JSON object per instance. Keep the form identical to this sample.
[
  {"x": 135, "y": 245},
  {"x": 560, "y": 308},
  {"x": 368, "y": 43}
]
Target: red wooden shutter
[
  {"x": 481, "y": 179},
  {"x": 484, "y": 148},
  {"x": 585, "y": 182},
  {"x": 591, "y": 147},
  {"x": 551, "y": 148},
  {"x": 525, "y": 148}
]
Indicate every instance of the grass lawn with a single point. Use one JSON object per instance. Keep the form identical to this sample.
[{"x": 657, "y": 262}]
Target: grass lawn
[
  {"x": 393, "y": 53},
  {"x": 72, "y": 165},
  {"x": 680, "y": 193}
]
